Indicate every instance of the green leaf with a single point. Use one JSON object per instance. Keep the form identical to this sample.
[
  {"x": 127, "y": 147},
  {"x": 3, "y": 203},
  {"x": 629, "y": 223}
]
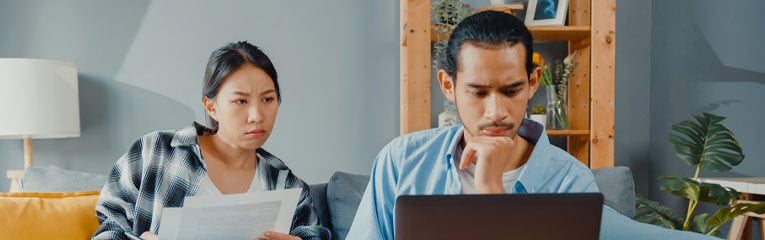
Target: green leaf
[
  {"x": 726, "y": 214},
  {"x": 683, "y": 187},
  {"x": 716, "y": 194},
  {"x": 698, "y": 224},
  {"x": 706, "y": 142},
  {"x": 652, "y": 212}
]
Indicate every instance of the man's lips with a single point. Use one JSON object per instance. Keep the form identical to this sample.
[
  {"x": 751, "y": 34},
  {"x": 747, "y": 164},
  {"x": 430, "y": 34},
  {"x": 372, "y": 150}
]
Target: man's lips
[{"x": 495, "y": 131}]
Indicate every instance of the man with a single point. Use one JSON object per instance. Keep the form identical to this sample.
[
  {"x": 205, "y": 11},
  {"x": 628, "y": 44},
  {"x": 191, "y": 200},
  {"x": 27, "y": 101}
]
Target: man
[{"x": 488, "y": 74}]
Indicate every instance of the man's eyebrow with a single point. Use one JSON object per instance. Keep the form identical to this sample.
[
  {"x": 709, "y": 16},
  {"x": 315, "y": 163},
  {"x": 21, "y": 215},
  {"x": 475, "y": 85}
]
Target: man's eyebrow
[{"x": 516, "y": 84}]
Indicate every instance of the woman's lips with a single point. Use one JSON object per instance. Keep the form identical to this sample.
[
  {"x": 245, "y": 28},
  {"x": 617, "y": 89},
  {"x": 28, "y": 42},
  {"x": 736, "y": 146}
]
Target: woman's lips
[{"x": 257, "y": 133}]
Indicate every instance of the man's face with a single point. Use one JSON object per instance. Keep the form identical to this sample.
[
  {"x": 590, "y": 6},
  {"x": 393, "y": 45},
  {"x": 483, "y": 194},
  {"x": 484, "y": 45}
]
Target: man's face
[{"x": 492, "y": 89}]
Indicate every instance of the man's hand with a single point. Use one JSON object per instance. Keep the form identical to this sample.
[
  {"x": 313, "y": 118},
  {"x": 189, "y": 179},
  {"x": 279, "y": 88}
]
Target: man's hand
[
  {"x": 271, "y": 235},
  {"x": 492, "y": 157}
]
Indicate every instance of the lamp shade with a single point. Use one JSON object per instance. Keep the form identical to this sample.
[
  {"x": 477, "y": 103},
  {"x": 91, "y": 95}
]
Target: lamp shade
[{"x": 39, "y": 98}]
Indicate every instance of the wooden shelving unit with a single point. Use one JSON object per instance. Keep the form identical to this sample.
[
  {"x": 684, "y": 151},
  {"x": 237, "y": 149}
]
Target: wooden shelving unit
[
  {"x": 560, "y": 33},
  {"x": 591, "y": 32}
]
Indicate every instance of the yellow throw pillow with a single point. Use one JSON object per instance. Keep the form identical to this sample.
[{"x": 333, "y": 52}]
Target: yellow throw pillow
[{"x": 33, "y": 215}]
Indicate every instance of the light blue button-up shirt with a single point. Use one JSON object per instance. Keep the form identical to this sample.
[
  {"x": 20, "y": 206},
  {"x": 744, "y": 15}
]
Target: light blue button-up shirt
[{"x": 422, "y": 163}]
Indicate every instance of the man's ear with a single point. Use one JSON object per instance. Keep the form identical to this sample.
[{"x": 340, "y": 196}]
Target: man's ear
[
  {"x": 447, "y": 84},
  {"x": 534, "y": 79},
  {"x": 210, "y": 108}
]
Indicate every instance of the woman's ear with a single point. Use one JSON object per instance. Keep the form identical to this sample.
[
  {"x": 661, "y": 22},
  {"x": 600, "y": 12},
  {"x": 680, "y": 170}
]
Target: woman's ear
[
  {"x": 210, "y": 108},
  {"x": 447, "y": 84}
]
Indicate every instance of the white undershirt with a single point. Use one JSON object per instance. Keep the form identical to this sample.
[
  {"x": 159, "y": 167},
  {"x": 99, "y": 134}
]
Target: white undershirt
[
  {"x": 467, "y": 176},
  {"x": 208, "y": 188}
]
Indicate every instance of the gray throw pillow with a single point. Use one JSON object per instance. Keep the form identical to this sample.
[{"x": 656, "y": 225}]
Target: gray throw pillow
[
  {"x": 54, "y": 179},
  {"x": 618, "y": 189},
  {"x": 344, "y": 192}
]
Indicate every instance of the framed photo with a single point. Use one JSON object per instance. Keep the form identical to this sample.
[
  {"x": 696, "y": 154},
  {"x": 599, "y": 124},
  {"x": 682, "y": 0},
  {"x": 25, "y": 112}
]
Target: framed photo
[{"x": 546, "y": 12}]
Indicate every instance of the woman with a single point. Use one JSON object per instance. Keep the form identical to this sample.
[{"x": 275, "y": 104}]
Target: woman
[{"x": 241, "y": 99}]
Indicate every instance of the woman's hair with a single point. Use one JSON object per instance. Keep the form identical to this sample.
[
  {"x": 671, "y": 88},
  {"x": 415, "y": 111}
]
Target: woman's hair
[{"x": 227, "y": 59}]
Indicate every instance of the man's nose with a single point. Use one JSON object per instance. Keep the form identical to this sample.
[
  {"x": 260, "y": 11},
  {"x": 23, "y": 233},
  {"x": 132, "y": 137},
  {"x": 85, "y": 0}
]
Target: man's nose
[{"x": 495, "y": 108}]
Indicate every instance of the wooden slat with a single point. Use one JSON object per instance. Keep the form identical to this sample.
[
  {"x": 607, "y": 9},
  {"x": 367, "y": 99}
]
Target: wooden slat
[
  {"x": 583, "y": 132},
  {"x": 579, "y": 12},
  {"x": 415, "y": 65},
  {"x": 507, "y": 8},
  {"x": 579, "y": 101},
  {"x": 602, "y": 70},
  {"x": 560, "y": 33}
]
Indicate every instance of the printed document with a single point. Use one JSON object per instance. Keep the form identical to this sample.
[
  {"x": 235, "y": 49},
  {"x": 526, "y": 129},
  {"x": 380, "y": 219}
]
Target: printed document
[{"x": 232, "y": 216}]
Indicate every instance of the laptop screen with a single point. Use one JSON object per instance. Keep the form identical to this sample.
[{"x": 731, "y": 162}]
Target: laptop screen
[{"x": 499, "y": 216}]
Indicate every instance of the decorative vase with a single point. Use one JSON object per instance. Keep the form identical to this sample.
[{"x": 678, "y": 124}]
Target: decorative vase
[{"x": 556, "y": 112}]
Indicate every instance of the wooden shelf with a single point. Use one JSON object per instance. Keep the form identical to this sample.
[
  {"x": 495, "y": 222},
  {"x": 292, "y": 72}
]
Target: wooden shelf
[
  {"x": 508, "y": 8},
  {"x": 583, "y": 132},
  {"x": 559, "y": 33}
]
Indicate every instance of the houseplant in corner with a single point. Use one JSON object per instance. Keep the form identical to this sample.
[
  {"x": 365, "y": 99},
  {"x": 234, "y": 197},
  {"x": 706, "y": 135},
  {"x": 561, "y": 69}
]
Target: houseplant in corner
[{"x": 704, "y": 144}]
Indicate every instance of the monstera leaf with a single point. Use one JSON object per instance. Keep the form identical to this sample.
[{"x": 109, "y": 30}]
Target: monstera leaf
[
  {"x": 724, "y": 215},
  {"x": 698, "y": 192},
  {"x": 652, "y": 212},
  {"x": 706, "y": 143}
]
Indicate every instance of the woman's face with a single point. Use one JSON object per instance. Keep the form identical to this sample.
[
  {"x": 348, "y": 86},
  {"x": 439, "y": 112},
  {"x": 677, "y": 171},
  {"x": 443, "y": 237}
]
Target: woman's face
[{"x": 245, "y": 107}]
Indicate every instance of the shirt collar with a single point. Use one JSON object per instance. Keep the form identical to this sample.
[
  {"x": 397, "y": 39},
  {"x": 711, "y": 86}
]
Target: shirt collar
[
  {"x": 534, "y": 172},
  {"x": 188, "y": 136},
  {"x": 538, "y": 161}
]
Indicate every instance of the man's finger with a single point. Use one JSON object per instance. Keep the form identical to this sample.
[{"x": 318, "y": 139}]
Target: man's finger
[{"x": 468, "y": 154}]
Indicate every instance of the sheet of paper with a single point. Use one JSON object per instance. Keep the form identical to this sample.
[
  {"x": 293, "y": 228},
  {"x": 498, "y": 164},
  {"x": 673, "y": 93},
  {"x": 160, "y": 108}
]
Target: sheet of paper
[{"x": 234, "y": 216}]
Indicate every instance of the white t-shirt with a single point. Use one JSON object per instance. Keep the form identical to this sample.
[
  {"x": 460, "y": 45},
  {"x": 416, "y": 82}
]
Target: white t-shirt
[
  {"x": 208, "y": 188},
  {"x": 467, "y": 176}
]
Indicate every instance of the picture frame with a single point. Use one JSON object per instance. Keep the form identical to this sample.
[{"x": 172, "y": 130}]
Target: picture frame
[{"x": 546, "y": 13}]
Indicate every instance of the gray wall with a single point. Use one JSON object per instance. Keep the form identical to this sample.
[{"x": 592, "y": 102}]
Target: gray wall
[
  {"x": 141, "y": 63},
  {"x": 706, "y": 57},
  {"x": 633, "y": 78}
]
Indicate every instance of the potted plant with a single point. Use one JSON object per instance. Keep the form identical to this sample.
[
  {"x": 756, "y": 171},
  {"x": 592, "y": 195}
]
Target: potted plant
[
  {"x": 539, "y": 113},
  {"x": 704, "y": 144}
]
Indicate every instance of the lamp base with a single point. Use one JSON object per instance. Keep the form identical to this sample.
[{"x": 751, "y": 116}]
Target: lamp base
[{"x": 15, "y": 176}]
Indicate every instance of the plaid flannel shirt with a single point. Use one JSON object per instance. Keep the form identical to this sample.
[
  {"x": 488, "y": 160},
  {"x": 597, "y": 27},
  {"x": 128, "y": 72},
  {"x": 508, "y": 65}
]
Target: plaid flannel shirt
[{"x": 164, "y": 167}]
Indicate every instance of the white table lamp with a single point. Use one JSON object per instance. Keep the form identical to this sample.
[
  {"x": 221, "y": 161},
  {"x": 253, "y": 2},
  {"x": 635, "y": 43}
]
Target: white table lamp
[{"x": 40, "y": 100}]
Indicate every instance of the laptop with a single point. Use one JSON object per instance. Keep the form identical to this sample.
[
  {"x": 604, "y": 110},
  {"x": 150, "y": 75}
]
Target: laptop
[{"x": 500, "y": 216}]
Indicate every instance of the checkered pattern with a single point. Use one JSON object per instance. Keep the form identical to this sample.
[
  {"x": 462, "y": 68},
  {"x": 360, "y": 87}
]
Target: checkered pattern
[{"x": 164, "y": 167}]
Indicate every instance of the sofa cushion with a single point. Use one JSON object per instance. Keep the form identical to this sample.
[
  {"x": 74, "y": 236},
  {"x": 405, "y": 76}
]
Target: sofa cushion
[
  {"x": 54, "y": 179},
  {"x": 344, "y": 192},
  {"x": 618, "y": 188},
  {"x": 319, "y": 197},
  {"x": 28, "y": 215}
]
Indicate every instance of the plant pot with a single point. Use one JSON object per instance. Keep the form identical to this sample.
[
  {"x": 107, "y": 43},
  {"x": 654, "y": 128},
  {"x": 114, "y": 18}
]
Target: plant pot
[{"x": 540, "y": 118}]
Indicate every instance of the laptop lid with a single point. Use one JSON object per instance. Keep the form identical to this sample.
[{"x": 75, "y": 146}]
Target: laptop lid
[{"x": 500, "y": 216}]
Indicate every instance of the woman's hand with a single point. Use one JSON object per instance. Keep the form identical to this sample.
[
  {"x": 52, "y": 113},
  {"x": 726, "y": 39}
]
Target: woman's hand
[
  {"x": 149, "y": 236},
  {"x": 271, "y": 235}
]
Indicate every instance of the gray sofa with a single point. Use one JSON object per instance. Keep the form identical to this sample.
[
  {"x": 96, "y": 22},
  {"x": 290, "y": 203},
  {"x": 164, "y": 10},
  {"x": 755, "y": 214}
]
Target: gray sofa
[{"x": 337, "y": 200}]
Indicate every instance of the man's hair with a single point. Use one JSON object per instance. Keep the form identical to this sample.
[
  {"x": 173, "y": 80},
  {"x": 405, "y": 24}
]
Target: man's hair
[
  {"x": 227, "y": 59},
  {"x": 489, "y": 29}
]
